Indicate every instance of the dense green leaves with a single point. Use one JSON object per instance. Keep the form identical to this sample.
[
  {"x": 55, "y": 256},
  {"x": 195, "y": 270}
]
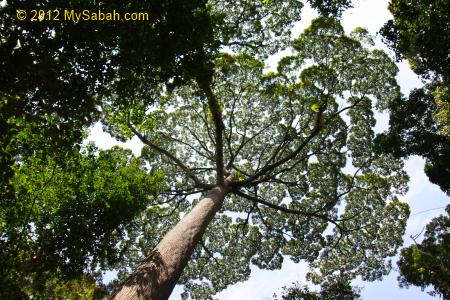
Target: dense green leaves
[
  {"x": 428, "y": 263},
  {"x": 420, "y": 125},
  {"x": 84, "y": 287},
  {"x": 413, "y": 131},
  {"x": 331, "y": 8},
  {"x": 70, "y": 215},
  {"x": 54, "y": 78},
  {"x": 419, "y": 32},
  {"x": 258, "y": 27}
]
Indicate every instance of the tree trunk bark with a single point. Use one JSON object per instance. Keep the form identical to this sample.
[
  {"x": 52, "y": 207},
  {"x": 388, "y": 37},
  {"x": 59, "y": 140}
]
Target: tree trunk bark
[{"x": 156, "y": 277}]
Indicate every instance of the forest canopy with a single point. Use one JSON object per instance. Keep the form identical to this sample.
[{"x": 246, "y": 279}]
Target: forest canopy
[{"x": 240, "y": 166}]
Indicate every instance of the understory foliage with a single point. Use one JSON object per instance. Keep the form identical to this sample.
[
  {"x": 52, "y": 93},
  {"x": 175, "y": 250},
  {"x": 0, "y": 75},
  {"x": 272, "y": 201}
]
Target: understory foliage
[{"x": 299, "y": 143}]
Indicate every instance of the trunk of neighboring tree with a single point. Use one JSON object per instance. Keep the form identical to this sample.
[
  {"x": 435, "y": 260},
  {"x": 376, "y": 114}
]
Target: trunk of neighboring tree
[{"x": 156, "y": 277}]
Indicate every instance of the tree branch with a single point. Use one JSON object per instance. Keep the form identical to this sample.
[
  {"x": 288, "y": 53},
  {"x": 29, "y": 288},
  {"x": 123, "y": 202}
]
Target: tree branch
[
  {"x": 216, "y": 113},
  {"x": 169, "y": 155},
  {"x": 287, "y": 210},
  {"x": 271, "y": 227},
  {"x": 244, "y": 44},
  {"x": 210, "y": 254},
  {"x": 172, "y": 211},
  {"x": 201, "y": 143},
  {"x": 268, "y": 168}
]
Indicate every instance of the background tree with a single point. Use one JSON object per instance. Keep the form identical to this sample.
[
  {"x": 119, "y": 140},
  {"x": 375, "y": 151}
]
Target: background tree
[
  {"x": 267, "y": 152},
  {"x": 420, "y": 125},
  {"x": 413, "y": 131},
  {"x": 428, "y": 263},
  {"x": 331, "y": 8},
  {"x": 419, "y": 33},
  {"x": 53, "y": 78},
  {"x": 337, "y": 290},
  {"x": 83, "y": 287},
  {"x": 73, "y": 216}
]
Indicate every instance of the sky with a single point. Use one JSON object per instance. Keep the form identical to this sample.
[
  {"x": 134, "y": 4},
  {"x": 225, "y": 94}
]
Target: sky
[{"x": 425, "y": 199}]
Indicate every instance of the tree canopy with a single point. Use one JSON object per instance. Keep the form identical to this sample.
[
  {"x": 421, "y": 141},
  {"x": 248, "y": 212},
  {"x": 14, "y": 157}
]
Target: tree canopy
[
  {"x": 286, "y": 139},
  {"x": 53, "y": 77},
  {"x": 70, "y": 217},
  {"x": 414, "y": 131},
  {"x": 420, "y": 125},
  {"x": 419, "y": 33}
]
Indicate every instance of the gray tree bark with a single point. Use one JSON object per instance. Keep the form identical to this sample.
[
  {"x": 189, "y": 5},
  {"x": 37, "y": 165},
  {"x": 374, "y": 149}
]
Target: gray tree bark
[{"x": 157, "y": 276}]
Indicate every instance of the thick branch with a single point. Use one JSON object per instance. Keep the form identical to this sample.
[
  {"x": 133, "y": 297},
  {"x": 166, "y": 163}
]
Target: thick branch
[
  {"x": 244, "y": 44},
  {"x": 216, "y": 113}
]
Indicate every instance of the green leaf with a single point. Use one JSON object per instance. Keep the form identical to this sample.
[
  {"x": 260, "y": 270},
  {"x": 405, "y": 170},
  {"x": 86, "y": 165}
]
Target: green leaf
[{"x": 315, "y": 107}]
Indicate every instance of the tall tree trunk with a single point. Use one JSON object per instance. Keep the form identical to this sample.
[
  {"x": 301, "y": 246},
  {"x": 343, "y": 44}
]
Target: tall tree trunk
[{"x": 156, "y": 277}]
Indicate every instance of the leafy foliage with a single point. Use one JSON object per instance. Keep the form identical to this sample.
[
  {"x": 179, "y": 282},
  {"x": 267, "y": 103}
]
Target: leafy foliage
[
  {"x": 331, "y": 8},
  {"x": 54, "y": 78},
  {"x": 420, "y": 125},
  {"x": 70, "y": 216},
  {"x": 53, "y": 81},
  {"x": 84, "y": 287},
  {"x": 419, "y": 32},
  {"x": 413, "y": 131},
  {"x": 330, "y": 291},
  {"x": 428, "y": 263},
  {"x": 288, "y": 141}
]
